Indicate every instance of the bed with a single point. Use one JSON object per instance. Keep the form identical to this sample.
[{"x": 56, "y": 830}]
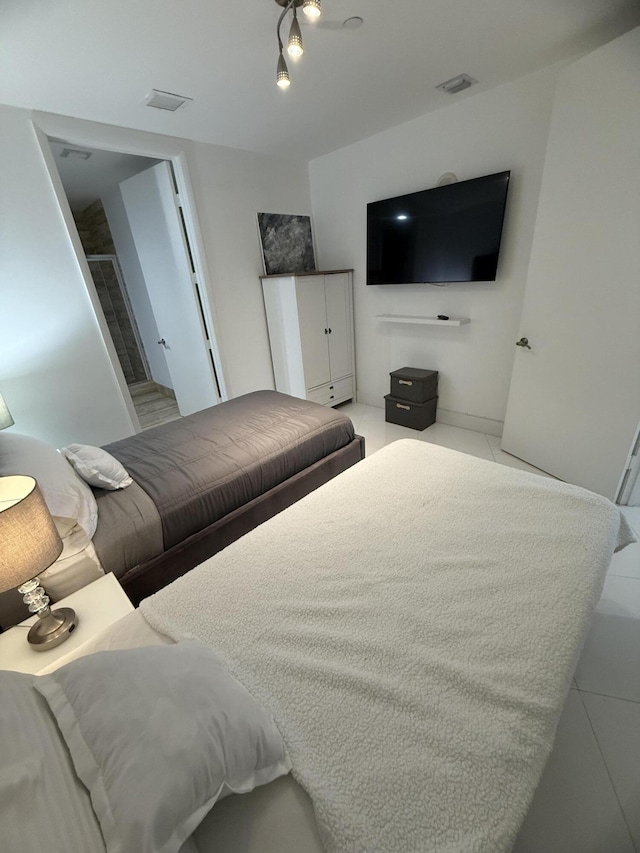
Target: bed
[
  {"x": 198, "y": 484},
  {"x": 412, "y": 628},
  {"x": 204, "y": 480}
]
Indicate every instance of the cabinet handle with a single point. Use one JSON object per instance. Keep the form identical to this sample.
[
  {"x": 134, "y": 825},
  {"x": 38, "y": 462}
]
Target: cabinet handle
[
  {"x": 330, "y": 387},
  {"x": 326, "y": 331},
  {"x": 329, "y": 331},
  {"x": 405, "y": 382},
  {"x": 331, "y": 397},
  {"x": 400, "y": 406}
]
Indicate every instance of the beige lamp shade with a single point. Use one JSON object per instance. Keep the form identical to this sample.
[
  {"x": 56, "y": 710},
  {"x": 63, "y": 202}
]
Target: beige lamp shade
[
  {"x": 29, "y": 541},
  {"x": 5, "y": 415}
]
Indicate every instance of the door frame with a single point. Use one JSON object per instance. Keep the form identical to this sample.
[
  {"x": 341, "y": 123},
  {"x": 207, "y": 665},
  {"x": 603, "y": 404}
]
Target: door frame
[
  {"x": 631, "y": 472},
  {"x": 120, "y": 140}
]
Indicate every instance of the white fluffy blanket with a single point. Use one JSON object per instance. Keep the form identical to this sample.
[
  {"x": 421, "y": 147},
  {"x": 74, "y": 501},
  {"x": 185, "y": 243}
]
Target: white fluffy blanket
[{"x": 412, "y": 626}]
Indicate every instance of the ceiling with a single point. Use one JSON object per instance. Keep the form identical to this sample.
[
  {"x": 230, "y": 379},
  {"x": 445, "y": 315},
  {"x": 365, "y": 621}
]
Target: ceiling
[
  {"x": 98, "y": 60},
  {"x": 85, "y": 181}
]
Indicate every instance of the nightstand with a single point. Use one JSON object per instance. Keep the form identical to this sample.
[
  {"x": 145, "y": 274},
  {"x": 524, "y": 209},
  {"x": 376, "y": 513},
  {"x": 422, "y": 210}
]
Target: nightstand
[{"x": 97, "y": 605}]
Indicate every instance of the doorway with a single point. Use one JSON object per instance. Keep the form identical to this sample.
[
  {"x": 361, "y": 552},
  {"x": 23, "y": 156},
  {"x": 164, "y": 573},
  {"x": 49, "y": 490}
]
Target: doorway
[
  {"x": 154, "y": 404},
  {"x": 129, "y": 248}
]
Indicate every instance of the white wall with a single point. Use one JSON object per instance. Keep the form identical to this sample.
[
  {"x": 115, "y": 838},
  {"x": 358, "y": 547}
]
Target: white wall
[
  {"x": 505, "y": 128},
  {"x": 231, "y": 188},
  {"x": 55, "y": 374},
  {"x": 54, "y": 369},
  {"x": 136, "y": 286}
]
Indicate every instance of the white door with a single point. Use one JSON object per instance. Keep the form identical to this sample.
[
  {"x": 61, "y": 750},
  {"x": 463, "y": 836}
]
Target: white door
[
  {"x": 314, "y": 332},
  {"x": 338, "y": 297},
  {"x": 574, "y": 401},
  {"x": 151, "y": 206}
]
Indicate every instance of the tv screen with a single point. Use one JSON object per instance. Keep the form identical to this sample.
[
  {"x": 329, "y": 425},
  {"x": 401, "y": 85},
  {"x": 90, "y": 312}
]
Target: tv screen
[{"x": 445, "y": 234}]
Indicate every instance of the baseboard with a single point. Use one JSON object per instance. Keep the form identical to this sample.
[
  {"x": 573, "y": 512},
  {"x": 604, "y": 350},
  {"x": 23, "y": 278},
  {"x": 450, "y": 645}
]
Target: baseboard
[
  {"x": 460, "y": 419},
  {"x": 445, "y": 416}
]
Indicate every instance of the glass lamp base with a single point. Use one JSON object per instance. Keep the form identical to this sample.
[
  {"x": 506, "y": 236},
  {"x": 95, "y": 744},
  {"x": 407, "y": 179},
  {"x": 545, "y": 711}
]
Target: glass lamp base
[{"x": 52, "y": 628}]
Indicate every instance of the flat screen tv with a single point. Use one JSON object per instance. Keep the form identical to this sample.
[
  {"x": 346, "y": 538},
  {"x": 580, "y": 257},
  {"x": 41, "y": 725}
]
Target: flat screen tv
[{"x": 445, "y": 234}]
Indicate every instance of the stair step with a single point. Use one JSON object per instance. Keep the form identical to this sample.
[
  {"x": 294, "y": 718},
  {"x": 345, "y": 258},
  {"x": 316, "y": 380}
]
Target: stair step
[{"x": 139, "y": 388}]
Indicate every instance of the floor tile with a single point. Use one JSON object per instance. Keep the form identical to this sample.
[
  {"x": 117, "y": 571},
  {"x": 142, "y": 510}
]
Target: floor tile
[
  {"x": 353, "y": 411},
  {"x": 504, "y": 458},
  {"x": 626, "y": 563},
  {"x": 632, "y": 514},
  {"x": 616, "y": 725},
  {"x": 575, "y": 809},
  {"x": 495, "y": 442},
  {"x": 373, "y": 413},
  {"x": 456, "y": 438},
  {"x": 610, "y": 660},
  {"x": 377, "y": 434},
  {"x": 507, "y": 459}
]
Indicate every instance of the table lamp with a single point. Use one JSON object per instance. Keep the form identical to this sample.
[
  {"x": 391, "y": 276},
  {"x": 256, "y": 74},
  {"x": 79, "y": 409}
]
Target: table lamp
[
  {"x": 29, "y": 543},
  {"x": 5, "y": 415}
]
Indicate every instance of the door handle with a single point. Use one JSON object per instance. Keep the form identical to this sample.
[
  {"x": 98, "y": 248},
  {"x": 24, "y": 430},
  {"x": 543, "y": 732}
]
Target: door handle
[
  {"x": 163, "y": 343},
  {"x": 523, "y": 342}
]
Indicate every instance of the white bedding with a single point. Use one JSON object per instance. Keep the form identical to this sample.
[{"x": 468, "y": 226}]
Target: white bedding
[
  {"x": 412, "y": 626},
  {"x": 75, "y": 567},
  {"x": 274, "y": 818}
]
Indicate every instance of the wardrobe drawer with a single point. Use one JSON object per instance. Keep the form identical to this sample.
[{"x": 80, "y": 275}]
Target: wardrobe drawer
[{"x": 332, "y": 392}]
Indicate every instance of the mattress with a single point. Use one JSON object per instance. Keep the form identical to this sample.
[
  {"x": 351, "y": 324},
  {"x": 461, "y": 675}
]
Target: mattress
[
  {"x": 194, "y": 471},
  {"x": 412, "y": 626}
]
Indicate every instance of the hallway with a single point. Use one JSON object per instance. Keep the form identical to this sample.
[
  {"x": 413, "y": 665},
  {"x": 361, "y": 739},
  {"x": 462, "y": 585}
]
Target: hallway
[{"x": 153, "y": 406}]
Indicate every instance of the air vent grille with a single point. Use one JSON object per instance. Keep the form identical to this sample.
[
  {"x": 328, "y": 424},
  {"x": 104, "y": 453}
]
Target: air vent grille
[
  {"x": 80, "y": 153},
  {"x": 166, "y": 100},
  {"x": 457, "y": 84}
]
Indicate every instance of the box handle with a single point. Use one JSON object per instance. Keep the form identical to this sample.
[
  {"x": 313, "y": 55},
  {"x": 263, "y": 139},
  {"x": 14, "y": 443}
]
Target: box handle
[
  {"x": 400, "y": 406},
  {"x": 405, "y": 382}
]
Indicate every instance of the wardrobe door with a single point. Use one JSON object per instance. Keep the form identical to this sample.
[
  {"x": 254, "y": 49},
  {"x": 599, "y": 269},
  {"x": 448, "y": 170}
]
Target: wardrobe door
[
  {"x": 314, "y": 332},
  {"x": 340, "y": 323}
]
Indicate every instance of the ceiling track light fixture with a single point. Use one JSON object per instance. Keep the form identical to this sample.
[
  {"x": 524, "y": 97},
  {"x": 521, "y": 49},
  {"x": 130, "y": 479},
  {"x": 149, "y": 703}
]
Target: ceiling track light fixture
[{"x": 312, "y": 9}]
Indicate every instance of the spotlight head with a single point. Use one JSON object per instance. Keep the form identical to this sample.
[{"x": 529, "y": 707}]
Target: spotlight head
[
  {"x": 282, "y": 74},
  {"x": 312, "y": 8}
]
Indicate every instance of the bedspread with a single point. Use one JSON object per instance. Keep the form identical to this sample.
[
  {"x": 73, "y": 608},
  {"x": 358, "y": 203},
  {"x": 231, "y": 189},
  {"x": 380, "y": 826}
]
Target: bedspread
[
  {"x": 412, "y": 626},
  {"x": 198, "y": 469}
]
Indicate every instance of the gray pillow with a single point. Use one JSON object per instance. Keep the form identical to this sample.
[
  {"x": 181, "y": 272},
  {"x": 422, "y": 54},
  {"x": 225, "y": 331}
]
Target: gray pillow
[
  {"x": 157, "y": 735},
  {"x": 43, "y": 804}
]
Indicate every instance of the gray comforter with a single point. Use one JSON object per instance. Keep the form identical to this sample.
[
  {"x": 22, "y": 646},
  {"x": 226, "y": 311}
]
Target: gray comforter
[{"x": 192, "y": 472}]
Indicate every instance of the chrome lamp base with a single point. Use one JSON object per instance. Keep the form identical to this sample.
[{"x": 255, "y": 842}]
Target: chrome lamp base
[{"x": 52, "y": 628}]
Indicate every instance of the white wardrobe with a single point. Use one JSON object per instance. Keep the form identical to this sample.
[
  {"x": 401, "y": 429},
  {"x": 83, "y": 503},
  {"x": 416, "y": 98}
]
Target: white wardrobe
[{"x": 310, "y": 321}]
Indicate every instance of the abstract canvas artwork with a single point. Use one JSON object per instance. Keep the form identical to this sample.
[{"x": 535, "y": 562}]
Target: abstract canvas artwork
[{"x": 287, "y": 244}]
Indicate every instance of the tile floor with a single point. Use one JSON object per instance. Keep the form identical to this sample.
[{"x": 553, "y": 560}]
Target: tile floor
[
  {"x": 588, "y": 800},
  {"x": 152, "y": 406}
]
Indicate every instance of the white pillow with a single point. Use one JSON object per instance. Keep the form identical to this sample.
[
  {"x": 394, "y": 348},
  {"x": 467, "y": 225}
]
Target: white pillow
[
  {"x": 97, "y": 467},
  {"x": 158, "y": 734},
  {"x": 69, "y": 499}
]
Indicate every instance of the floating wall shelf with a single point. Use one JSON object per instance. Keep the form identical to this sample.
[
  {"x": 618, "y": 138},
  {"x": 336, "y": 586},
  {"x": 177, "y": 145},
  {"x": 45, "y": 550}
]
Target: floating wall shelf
[{"x": 427, "y": 321}]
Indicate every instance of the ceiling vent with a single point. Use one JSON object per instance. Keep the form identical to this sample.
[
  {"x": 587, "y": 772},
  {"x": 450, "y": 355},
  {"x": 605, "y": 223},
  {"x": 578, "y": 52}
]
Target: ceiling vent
[
  {"x": 166, "y": 100},
  {"x": 457, "y": 84},
  {"x": 80, "y": 153}
]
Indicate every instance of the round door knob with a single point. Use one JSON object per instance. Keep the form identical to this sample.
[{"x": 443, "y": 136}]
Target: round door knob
[{"x": 523, "y": 342}]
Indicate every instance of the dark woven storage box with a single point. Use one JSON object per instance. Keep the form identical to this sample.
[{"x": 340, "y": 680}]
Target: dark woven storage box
[
  {"x": 412, "y": 383},
  {"x": 408, "y": 414}
]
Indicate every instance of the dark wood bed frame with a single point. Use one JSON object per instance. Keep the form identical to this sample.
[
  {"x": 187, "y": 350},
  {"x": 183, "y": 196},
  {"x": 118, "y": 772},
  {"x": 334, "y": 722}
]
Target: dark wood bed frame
[{"x": 149, "y": 577}]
